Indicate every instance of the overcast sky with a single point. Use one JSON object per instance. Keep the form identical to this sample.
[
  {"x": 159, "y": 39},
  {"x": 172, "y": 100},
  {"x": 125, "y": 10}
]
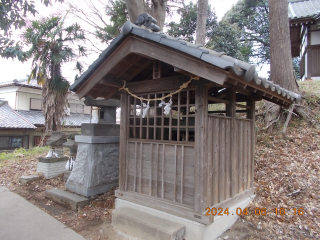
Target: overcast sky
[{"x": 13, "y": 69}]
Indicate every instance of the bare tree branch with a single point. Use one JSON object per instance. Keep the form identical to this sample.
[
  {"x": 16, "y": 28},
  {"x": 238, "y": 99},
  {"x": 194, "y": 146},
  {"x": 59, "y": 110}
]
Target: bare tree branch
[
  {"x": 287, "y": 121},
  {"x": 274, "y": 121}
]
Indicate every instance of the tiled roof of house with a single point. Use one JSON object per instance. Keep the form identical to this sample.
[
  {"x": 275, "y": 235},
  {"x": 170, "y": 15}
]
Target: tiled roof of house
[
  {"x": 35, "y": 117},
  {"x": 22, "y": 82},
  {"x": 73, "y": 120},
  {"x": 219, "y": 59},
  {"x": 304, "y": 9},
  {"x": 11, "y": 119},
  {"x": 76, "y": 119}
]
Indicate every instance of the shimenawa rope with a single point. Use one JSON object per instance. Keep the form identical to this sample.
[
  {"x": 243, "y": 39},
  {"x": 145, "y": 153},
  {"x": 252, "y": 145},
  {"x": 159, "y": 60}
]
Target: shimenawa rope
[{"x": 183, "y": 86}]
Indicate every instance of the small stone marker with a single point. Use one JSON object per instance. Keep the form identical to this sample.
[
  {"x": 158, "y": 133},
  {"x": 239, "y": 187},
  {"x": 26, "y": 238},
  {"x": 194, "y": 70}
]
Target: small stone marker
[{"x": 27, "y": 179}]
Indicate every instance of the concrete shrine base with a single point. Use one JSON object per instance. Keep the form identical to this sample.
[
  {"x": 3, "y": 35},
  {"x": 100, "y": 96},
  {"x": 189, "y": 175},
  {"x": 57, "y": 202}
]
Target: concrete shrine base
[
  {"x": 193, "y": 230},
  {"x": 51, "y": 167}
]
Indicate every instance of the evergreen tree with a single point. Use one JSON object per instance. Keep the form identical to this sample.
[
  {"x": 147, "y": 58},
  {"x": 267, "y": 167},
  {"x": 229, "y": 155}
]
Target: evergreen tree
[
  {"x": 252, "y": 18},
  {"x": 51, "y": 45},
  {"x": 13, "y": 14},
  {"x": 221, "y": 37}
]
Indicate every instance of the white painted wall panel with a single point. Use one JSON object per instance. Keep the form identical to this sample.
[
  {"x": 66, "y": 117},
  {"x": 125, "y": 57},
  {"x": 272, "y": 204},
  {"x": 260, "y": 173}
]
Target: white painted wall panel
[
  {"x": 315, "y": 38},
  {"x": 23, "y": 100}
]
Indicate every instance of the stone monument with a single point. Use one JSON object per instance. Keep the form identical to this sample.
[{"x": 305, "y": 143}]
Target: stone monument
[
  {"x": 54, "y": 163},
  {"x": 96, "y": 168}
]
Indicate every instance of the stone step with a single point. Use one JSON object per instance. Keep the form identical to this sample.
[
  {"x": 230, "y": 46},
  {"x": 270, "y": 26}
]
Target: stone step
[
  {"x": 140, "y": 225},
  {"x": 27, "y": 179},
  {"x": 68, "y": 200}
]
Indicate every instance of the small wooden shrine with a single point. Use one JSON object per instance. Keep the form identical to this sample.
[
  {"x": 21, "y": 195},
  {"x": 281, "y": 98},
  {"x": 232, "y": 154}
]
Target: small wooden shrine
[{"x": 193, "y": 147}]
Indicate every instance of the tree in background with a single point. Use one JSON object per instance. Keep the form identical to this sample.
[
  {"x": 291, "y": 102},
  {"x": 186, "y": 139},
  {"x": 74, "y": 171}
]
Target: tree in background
[
  {"x": 187, "y": 26},
  {"x": 281, "y": 67},
  {"x": 202, "y": 15},
  {"x": 296, "y": 67},
  {"x": 13, "y": 14},
  {"x": 51, "y": 45},
  {"x": 280, "y": 55},
  {"x": 226, "y": 38},
  {"x": 221, "y": 37},
  {"x": 252, "y": 18},
  {"x": 156, "y": 8},
  {"x": 106, "y": 23}
]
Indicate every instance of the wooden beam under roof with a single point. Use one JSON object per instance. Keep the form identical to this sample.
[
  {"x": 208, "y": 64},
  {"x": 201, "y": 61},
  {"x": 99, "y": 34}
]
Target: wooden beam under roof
[
  {"x": 161, "y": 84},
  {"x": 111, "y": 82},
  {"x": 219, "y": 100},
  {"x": 179, "y": 59}
]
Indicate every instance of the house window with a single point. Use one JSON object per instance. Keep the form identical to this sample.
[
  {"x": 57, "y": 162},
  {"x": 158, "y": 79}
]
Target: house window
[
  {"x": 101, "y": 115},
  {"x": 177, "y": 125},
  {"x": 35, "y": 104},
  {"x": 11, "y": 142},
  {"x": 76, "y": 108}
]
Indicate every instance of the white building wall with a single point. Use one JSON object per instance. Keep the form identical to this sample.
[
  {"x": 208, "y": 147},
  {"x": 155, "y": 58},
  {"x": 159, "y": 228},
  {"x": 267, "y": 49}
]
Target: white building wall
[
  {"x": 23, "y": 99},
  {"x": 9, "y": 94},
  {"x": 315, "y": 38}
]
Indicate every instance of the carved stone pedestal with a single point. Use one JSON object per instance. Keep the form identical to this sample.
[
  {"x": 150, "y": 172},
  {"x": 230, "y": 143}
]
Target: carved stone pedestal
[{"x": 96, "y": 168}]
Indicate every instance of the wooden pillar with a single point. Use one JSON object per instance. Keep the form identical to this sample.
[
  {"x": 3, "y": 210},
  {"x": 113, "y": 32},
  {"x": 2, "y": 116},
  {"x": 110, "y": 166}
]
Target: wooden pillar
[
  {"x": 123, "y": 141},
  {"x": 251, "y": 104},
  {"x": 251, "y": 115},
  {"x": 231, "y": 112},
  {"x": 201, "y": 109}
]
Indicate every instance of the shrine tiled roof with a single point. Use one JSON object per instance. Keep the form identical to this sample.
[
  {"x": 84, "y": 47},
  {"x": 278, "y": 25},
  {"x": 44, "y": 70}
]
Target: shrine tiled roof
[{"x": 218, "y": 59}]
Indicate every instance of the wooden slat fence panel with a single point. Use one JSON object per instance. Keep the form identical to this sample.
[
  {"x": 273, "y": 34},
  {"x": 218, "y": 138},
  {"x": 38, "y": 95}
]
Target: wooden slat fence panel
[
  {"x": 244, "y": 138},
  {"x": 161, "y": 170},
  {"x": 219, "y": 158}
]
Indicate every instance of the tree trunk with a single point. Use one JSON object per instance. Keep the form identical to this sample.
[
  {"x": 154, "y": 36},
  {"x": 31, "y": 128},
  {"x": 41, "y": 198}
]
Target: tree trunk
[
  {"x": 157, "y": 10},
  {"x": 135, "y": 8},
  {"x": 201, "y": 21},
  {"x": 281, "y": 66}
]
